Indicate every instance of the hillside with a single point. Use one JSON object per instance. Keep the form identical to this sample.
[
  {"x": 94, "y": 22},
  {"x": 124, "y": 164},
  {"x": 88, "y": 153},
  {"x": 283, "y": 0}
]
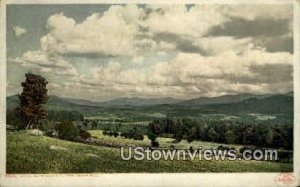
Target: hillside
[
  {"x": 41, "y": 154},
  {"x": 247, "y": 103},
  {"x": 136, "y": 101},
  {"x": 53, "y": 103},
  {"x": 225, "y": 99},
  {"x": 277, "y": 104}
]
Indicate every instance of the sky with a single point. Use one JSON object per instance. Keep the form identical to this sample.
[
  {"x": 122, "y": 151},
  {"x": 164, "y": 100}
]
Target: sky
[{"x": 101, "y": 52}]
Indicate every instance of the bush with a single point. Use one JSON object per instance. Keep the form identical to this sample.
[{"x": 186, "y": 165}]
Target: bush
[
  {"x": 67, "y": 131},
  {"x": 285, "y": 156},
  {"x": 223, "y": 148},
  {"x": 155, "y": 144},
  {"x": 84, "y": 134},
  {"x": 52, "y": 133},
  {"x": 110, "y": 133},
  {"x": 124, "y": 134},
  {"x": 115, "y": 134},
  {"x": 46, "y": 126},
  {"x": 138, "y": 136}
]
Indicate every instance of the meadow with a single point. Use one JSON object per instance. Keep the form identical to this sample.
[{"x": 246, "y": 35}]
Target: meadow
[
  {"x": 41, "y": 154},
  {"x": 163, "y": 142}
]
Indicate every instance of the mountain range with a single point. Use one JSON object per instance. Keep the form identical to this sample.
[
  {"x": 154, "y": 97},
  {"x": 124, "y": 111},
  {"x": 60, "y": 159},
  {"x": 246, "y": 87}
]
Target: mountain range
[{"x": 240, "y": 102}]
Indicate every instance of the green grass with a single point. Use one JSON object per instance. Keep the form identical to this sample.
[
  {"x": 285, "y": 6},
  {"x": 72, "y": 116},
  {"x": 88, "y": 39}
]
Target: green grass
[
  {"x": 163, "y": 142},
  {"x": 32, "y": 154}
]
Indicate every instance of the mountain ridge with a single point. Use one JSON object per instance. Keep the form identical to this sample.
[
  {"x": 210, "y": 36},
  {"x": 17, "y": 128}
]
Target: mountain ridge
[{"x": 139, "y": 101}]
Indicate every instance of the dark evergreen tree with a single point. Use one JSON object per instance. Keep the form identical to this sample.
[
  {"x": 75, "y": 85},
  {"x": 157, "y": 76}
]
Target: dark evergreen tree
[{"x": 32, "y": 100}]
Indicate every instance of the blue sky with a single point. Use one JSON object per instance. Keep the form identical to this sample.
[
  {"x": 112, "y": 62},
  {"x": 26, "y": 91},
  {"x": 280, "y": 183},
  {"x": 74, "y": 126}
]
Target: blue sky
[{"x": 101, "y": 52}]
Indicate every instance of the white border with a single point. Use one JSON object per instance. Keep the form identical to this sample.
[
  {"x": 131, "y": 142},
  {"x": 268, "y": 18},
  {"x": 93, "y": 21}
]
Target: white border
[
  {"x": 2, "y": 88},
  {"x": 150, "y": 1},
  {"x": 297, "y": 89},
  {"x": 166, "y": 179}
]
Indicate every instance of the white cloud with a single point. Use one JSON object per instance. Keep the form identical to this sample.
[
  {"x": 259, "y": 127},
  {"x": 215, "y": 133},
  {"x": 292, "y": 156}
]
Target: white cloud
[
  {"x": 188, "y": 68},
  {"x": 166, "y": 46},
  {"x": 262, "y": 11},
  {"x": 193, "y": 75},
  {"x": 110, "y": 34},
  {"x": 39, "y": 61},
  {"x": 118, "y": 31},
  {"x": 177, "y": 19},
  {"x": 138, "y": 60},
  {"x": 216, "y": 45},
  {"x": 143, "y": 63},
  {"x": 19, "y": 31}
]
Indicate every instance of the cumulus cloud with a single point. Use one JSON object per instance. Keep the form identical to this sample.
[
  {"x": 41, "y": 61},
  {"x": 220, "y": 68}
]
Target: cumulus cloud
[
  {"x": 19, "y": 31},
  {"x": 188, "y": 74},
  {"x": 130, "y": 30},
  {"x": 39, "y": 61},
  {"x": 259, "y": 27},
  {"x": 108, "y": 34},
  {"x": 260, "y": 11},
  {"x": 178, "y": 19},
  {"x": 161, "y": 50}
]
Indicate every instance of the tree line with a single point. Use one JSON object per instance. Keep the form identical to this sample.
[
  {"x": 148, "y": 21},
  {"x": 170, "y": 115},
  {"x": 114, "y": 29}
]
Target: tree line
[{"x": 228, "y": 132}]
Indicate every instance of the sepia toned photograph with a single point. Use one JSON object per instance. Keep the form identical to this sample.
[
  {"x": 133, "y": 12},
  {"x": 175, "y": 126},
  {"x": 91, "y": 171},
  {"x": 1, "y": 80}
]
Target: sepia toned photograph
[{"x": 150, "y": 88}]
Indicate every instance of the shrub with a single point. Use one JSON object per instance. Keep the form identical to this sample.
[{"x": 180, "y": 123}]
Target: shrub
[
  {"x": 191, "y": 149},
  {"x": 155, "y": 144},
  {"x": 285, "y": 156},
  {"x": 67, "y": 131},
  {"x": 110, "y": 133},
  {"x": 84, "y": 134},
  {"x": 123, "y": 134},
  {"x": 138, "y": 136},
  {"x": 223, "y": 148},
  {"x": 52, "y": 133},
  {"x": 115, "y": 134},
  {"x": 46, "y": 126}
]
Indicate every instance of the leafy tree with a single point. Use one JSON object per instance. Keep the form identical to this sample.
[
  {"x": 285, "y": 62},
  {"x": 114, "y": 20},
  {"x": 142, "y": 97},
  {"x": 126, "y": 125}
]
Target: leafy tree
[
  {"x": 154, "y": 127},
  {"x": 290, "y": 139},
  {"x": 178, "y": 130},
  {"x": 211, "y": 134},
  {"x": 67, "y": 131},
  {"x": 248, "y": 135},
  {"x": 192, "y": 134},
  {"x": 229, "y": 137},
  {"x": 32, "y": 99},
  {"x": 268, "y": 138},
  {"x": 151, "y": 136}
]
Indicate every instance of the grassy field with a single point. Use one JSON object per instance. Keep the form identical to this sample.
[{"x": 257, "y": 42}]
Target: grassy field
[
  {"x": 163, "y": 142},
  {"x": 41, "y": 154}
]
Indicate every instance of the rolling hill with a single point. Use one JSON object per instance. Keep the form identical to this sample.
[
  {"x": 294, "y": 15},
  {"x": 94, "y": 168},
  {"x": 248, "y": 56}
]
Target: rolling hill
[{"x": 282, "y": 103}]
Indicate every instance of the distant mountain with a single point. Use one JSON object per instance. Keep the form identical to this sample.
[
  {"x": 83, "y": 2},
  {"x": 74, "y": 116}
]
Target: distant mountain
[
  {"x": 289, "y": 94},
  {"x": 53, "y": 103},
  {"x": 274, "y": 104},
  {"x": 282, "y": 103},
  {"x": 221, "y": 99},
  {"x": 82, "y": 102},
  {"x": 136, "y": 101}
]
